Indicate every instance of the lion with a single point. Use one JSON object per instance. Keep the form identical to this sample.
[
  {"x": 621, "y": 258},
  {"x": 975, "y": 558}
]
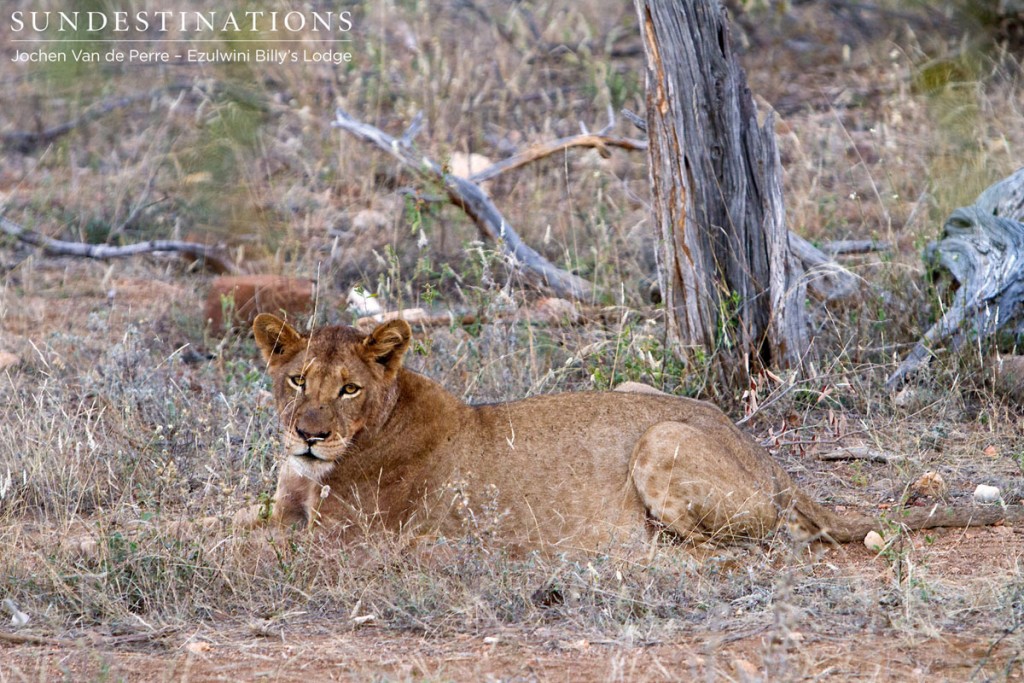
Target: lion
[{"x": 371, "y": 445}]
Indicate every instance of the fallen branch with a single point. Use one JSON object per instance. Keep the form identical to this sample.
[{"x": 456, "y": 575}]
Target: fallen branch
[
  {"x": 24, "y": 142},
  {"x": 211, "y": 257},
  {"x": 983, "y": 250},
  {"x": 476, "y": 204},
  {"x": 556, "y": 312},
  {"x": 92, "y": 639},
  {"x": 858, "y": 453},
  {"x": 32, "y": 639},
  {"x": 841, "y": 247}
]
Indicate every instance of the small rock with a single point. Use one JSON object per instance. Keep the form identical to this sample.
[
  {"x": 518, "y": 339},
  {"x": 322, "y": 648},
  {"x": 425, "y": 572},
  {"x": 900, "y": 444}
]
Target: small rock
[
  {"x": 363, "y": 303},
  {"x": 987, "y": 494},
  {"x": 929, "y": 484},
  {"x": 465, "y": 165},
  {"x": 8, "y": 360},
  {"x": 18, "y": 618},
  {"x": 745, "y": 670},
  {"x": 874, "y": 542}
]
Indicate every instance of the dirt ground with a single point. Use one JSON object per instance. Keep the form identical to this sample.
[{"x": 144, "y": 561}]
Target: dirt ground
[{"x": 304, "y": 649}]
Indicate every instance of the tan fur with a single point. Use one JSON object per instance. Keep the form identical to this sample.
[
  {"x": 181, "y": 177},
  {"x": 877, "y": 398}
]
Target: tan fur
[{"x": 566, "y": 471}]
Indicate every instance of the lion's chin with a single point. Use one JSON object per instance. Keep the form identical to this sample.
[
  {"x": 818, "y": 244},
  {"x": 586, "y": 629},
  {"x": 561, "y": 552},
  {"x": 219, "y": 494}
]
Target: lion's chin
[{"x": 310, "y": 466}]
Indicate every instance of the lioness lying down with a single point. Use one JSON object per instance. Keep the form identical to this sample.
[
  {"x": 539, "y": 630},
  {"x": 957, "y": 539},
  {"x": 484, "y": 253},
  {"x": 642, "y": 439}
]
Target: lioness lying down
[{"x": 372, "y": 445}]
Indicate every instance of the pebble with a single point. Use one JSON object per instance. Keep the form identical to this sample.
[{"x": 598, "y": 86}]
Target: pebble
[
  {"x": 874, "y": 541},
  {"x": 986, "y": 494}
]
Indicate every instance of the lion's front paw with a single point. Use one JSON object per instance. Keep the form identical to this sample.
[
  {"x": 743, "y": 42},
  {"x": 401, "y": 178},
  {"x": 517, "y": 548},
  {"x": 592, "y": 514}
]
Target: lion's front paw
[{"x": 251, "y": 517}]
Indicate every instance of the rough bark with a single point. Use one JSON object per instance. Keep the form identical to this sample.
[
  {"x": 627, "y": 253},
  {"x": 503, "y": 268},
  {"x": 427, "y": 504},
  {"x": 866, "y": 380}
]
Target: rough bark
[
  {"x": 731, "y": 283},
  {"x": 983, "y": 251}
]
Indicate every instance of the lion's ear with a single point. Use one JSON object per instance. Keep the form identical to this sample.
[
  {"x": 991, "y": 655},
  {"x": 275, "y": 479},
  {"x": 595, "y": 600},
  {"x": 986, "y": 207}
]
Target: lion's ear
[
  {"x": 387, "y": 344},
  {"x": 276, "y": 338}
]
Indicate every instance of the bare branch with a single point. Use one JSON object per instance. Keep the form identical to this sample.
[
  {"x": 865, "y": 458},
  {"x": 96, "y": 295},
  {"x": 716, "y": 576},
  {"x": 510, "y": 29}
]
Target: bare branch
[
  {"x": 210, "y": 256},
  {"x": 840, "y": 247},
  {"x": 25, "y": 141},
  {"x": 466, "y": 195},
  {"x": 599, "y": 141},
  {"x": 635, "y": 119}
]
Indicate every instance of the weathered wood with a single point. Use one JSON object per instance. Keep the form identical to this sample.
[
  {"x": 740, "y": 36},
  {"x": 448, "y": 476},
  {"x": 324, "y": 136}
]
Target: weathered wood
[
  {"x": 826, "y": 280},
  {"x": 600, "y": 141},
  {"x": 212, "y": 257},
  {"x": 478, "y": 206},
  {"x": 839, "y": 247},
  {"x": 731, "y": 284},
  {"x": 983, "y": 250}
]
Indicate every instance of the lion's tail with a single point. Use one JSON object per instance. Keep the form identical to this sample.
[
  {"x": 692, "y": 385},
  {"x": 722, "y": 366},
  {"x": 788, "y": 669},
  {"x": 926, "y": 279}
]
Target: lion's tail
[{"x": 845, "y": 528}]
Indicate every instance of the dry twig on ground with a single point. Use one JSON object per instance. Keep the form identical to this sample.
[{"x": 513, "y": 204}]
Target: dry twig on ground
[{"x": 212, "y": 257}]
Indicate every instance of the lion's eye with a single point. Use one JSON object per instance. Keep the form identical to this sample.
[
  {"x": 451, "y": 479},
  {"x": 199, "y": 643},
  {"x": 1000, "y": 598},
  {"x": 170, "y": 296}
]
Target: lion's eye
[
  {"x": 297, "y": 382},
  {"x": 349, "y": 390}
]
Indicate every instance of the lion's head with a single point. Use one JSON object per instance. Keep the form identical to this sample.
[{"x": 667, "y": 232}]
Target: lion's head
[{"x": 331, "y": 386}]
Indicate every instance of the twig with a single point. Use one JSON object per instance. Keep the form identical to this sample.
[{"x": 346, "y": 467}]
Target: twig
[
  {"x": 93, "y": 639},
  {"x": 599, "y": 141},
  {"x": 839, "y": 247},
  {"x": 478, "y": 206},
  {"x": 31, "y": 639},
  {"x": 24, "y": 142},
  {"x": 211, "y": 256},
  {"x": 858, "y": 453},
  {"x": 635, "y": 119}
]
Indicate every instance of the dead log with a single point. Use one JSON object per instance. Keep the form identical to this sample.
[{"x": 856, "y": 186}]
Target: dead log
[
  {"x": 476, "y": 204},
  {"x": 726, "y": 260},
  {"x": 983, "y": 251},
  {"x": 211, "y": 257}
]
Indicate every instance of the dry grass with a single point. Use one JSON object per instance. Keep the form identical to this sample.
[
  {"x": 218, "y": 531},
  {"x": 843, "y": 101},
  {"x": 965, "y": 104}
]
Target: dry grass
[{"x": 117, "y": 424}]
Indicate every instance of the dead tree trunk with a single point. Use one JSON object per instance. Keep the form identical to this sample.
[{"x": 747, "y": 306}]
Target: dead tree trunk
[{"x": 732, "y": 286}]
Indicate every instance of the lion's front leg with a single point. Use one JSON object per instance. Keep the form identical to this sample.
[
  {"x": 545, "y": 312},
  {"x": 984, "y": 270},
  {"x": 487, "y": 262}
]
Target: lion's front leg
[{"x": 294, "y": 496}]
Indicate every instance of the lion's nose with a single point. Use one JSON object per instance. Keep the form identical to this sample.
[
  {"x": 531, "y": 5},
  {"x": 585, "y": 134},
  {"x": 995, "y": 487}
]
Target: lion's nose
[{"x": 310, "y": 438}]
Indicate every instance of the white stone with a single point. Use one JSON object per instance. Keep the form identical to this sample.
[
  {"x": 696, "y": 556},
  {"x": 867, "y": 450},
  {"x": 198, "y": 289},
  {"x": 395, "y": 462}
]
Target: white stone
[{"x": 986, "y": 494}]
